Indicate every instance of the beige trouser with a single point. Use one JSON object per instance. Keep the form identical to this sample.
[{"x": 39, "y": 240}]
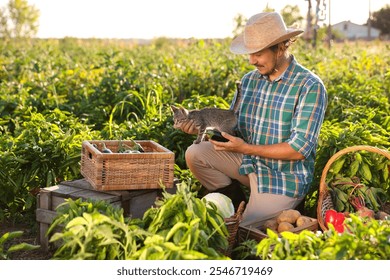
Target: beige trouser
[{"x": 216, "y": 169}]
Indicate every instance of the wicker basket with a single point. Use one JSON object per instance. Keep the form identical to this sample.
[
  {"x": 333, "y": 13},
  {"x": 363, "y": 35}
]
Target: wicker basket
[
  {"x": 232, "y": 224},
  {"x": 324, "y": 199},
  {"x": 123, "y": 171}
]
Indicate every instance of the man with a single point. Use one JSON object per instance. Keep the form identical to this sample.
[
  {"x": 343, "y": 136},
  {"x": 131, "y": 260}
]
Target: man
[{"x": 281, "y": 111}]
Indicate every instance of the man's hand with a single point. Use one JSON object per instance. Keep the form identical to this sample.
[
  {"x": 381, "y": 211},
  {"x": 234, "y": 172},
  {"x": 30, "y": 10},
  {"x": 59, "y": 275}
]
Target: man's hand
[
  {"x": 189, "y": 127},
  {"x": 279, "y": 151},
  {"x": 235, "y": 144}
]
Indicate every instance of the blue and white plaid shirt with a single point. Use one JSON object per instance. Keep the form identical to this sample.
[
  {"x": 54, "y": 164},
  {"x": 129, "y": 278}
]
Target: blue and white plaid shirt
[{"x": 289, "y": 109}]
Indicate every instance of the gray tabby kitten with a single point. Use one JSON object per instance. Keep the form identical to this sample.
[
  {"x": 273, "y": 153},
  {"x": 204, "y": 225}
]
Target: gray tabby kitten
[{"x": 216, "y": 118}]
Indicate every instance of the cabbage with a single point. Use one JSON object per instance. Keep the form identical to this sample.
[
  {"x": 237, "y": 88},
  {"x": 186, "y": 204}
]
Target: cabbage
[{"x": 222, "y": 202}]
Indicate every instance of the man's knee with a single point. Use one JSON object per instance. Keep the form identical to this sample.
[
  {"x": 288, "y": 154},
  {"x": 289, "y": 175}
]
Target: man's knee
[
  {"x": 190, "y": 153},
  {"x": 197, "y": 151}
]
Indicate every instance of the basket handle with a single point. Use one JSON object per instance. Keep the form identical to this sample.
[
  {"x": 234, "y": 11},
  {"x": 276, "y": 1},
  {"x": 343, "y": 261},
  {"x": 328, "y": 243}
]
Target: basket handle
[{"x": 241, "y": 208}]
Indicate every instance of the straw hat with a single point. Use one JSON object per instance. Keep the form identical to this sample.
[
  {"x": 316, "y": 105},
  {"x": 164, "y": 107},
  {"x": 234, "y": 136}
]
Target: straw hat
[{"x": 262, "y": 31}]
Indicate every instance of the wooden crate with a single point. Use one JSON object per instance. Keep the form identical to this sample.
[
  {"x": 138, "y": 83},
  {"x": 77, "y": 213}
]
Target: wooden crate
[
  {"x": 256, "y": 231},
  {"x": 125, "y": 171},
  {"x": 133, "y": 202}
]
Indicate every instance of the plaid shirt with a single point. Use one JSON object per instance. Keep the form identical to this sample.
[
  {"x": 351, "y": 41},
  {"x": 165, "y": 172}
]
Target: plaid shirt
[{"x": 289, "y": 109}]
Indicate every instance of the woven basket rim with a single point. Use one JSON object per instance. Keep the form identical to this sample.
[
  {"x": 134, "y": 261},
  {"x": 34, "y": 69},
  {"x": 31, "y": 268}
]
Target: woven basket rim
[
  {"x": 323, "y": 188},
  {"x": 232, "y": 223}
]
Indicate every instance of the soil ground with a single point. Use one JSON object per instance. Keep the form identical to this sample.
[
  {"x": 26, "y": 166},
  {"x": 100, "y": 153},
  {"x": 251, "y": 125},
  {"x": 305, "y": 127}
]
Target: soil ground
[{"x": 29, "y": 236}]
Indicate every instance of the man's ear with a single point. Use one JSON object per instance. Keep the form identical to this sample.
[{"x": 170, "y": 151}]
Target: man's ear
[{"x": 282, "y": 47}]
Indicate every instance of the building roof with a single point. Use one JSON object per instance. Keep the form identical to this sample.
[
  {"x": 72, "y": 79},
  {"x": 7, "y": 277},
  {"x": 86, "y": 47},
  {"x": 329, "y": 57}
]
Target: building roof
[{"x": 352, "y": 30}]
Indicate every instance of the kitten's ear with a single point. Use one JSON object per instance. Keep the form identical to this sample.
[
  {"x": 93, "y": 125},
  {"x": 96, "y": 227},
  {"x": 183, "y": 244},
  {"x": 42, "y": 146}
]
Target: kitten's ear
[
  {"x": 179, "y": 110},
  {"x": 174, "y": 108},
  {"x": 184, "y": 111}
]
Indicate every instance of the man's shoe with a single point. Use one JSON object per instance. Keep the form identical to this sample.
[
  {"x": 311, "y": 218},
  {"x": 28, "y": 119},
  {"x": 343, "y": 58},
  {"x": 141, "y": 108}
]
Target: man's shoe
[{"x": 234, "y": 192}]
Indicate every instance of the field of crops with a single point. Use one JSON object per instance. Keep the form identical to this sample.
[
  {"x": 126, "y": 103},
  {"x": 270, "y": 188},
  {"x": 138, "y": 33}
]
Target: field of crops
[{"x": 55, "y": 94}]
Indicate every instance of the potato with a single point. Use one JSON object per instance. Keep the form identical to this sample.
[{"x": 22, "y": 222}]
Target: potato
[
  {"x": 271, "y": 224},
  {"x": 380, "y": 215},
  {"x": 302, "y": 220},
  {"x": 285, "y": 226},
  {"x": 289, "y": 216}
]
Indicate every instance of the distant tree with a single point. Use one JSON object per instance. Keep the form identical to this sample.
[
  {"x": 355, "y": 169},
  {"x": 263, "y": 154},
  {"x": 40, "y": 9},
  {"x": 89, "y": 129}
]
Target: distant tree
[
  {"x": 18, "y": 20},
  {"x": 240, "y": 22},
  {"x": 291, "y": 15},
  {"x": 381, "y": 20},
  {"x": 268, "y": 9}
]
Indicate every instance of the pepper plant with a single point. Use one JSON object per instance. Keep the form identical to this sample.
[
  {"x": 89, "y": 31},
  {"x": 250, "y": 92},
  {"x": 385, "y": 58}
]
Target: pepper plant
[
  {"x": 180, "y": 227},
  {"x": 5, "y": 253}
]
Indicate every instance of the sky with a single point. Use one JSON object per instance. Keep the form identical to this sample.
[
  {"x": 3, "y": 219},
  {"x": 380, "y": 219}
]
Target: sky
[{"x": 148, "y": 19}]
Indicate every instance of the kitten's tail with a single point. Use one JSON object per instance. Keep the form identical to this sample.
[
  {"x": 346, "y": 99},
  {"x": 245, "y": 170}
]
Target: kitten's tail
[{"x": 237, "y": 97}]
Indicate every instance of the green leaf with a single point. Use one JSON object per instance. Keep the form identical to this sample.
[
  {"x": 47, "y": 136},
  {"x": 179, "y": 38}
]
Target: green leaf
[
  {"x": 10, "y": 235},
  {"x": 23, "y": 246},
  {"x": 337, "y": 165},
  {"x": 78, "y": 221}
]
